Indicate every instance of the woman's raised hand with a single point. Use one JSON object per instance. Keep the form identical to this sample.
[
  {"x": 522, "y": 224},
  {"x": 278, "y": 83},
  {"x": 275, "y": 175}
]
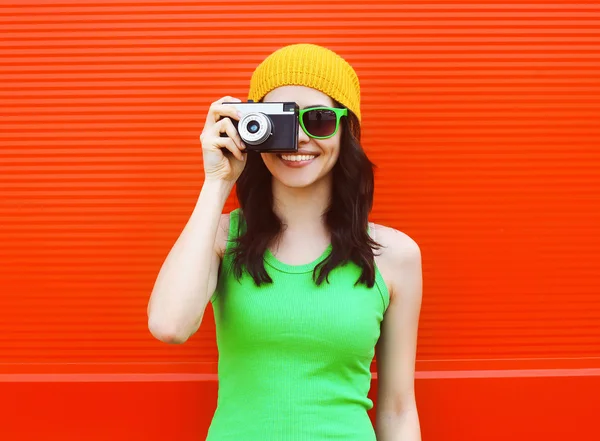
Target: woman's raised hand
[{"x": 224, "y": 157}]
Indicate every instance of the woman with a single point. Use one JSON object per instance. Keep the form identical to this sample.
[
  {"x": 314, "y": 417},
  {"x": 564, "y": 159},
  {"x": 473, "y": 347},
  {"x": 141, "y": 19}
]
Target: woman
[{"x": 301, "y": 299}]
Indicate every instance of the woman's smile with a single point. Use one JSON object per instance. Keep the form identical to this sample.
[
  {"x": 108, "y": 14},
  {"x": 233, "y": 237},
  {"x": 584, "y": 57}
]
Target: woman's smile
[{"x": 297, "y": 159}]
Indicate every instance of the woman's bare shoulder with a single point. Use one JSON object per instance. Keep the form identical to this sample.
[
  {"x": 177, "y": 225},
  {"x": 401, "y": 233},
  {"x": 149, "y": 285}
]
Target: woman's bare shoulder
[
  {"x": 398, "y": 253},
  {"x": 393, "y": 239}
]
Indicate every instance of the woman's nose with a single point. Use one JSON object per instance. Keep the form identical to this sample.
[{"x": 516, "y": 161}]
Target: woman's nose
[{"x": 303, "y": 138}]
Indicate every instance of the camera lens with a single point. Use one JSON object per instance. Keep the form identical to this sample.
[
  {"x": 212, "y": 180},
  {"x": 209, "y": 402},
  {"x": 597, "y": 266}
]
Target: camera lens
[{"x": 253, "y": 127}]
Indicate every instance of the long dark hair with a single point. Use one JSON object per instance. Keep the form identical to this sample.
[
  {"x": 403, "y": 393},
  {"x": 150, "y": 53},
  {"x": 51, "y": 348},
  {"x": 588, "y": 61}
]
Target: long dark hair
[{"x": 346, "y": 217}]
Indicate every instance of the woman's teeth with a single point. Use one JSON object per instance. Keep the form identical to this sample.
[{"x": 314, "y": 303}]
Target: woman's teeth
[{"x": 297, "y": 157}]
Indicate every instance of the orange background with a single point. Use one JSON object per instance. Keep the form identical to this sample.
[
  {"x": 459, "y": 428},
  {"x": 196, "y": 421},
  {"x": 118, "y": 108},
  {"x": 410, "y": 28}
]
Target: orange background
[{"x": 482, "y": 118}]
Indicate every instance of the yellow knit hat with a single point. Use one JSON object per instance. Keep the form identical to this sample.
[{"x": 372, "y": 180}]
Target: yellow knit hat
[{"x": 311, "y": 66}]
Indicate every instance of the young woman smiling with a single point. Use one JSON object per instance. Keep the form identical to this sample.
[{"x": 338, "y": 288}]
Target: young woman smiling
[{"x": 304, "y": 289}]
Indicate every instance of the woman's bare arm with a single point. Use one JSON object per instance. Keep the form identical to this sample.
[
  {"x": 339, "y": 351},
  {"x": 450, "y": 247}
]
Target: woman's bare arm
[
  {"x": 397, "y": 418},
  {"x": 188, "y": 276}
]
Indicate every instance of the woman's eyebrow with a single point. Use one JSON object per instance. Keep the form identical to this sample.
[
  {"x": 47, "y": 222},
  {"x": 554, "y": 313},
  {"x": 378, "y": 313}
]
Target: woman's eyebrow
[{"x": 315, "y": 105}]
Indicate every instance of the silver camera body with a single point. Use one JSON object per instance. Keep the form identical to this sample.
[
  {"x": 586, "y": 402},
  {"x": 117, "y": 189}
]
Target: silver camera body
[{"x": 268, "y": 127}]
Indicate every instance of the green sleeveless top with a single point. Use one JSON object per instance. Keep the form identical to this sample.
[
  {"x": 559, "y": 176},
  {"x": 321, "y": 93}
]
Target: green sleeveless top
[{"x": 294, "y": 357}]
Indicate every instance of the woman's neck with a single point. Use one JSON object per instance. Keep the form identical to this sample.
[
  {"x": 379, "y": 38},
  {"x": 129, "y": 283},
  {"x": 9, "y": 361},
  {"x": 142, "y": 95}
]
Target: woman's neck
[{"x": 302, "y": 208}]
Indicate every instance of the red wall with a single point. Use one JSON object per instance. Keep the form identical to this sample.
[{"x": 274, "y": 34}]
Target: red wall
[{"x": 482, "y": 118}]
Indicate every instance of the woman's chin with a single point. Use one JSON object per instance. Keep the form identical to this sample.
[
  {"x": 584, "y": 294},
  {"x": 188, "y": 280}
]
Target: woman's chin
[{"x": 296, "y": 181}]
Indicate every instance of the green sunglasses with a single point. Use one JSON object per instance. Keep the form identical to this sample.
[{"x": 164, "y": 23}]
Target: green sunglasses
[{"x": 321, "y": 122}]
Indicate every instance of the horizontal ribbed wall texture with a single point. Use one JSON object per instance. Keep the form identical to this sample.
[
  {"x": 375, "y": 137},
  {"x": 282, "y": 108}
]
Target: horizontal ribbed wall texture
[{"x": 482, "y": 119}]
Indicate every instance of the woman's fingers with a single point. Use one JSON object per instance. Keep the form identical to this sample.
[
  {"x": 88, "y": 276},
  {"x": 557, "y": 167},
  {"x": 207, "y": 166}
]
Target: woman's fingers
[
  {"x": 231, "y": 146},
  {"x": 218, "y": 110},
  {"x": 222, "y": 147},
  {"x": 226, "y": 126}
]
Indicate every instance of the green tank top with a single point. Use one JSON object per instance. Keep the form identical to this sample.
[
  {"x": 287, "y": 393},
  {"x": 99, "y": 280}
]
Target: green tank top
[{"x": 294, "y": 357}]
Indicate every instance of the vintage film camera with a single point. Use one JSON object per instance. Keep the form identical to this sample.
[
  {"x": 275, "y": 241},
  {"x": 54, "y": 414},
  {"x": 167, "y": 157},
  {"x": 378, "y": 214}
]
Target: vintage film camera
[{"x": 267, "y": 127}]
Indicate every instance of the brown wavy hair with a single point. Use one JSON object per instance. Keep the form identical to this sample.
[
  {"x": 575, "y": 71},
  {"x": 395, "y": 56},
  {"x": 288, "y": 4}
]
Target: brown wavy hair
[{"x": 346, "y": 216}]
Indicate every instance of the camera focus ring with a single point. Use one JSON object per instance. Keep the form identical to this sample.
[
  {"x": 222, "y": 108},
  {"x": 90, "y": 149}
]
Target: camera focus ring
[{"x": 255, "y": 128}]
